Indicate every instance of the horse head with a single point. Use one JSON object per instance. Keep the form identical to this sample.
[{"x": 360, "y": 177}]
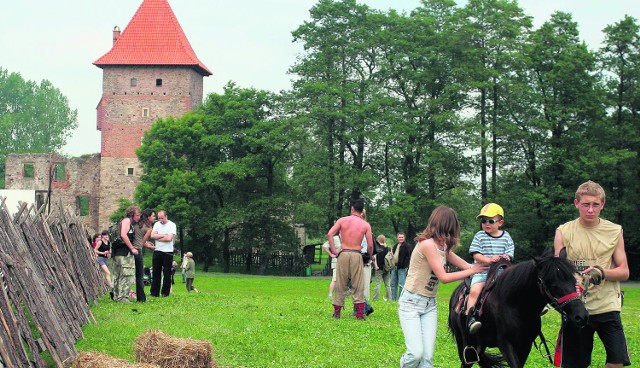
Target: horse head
[{"x": 557, "y": 282}]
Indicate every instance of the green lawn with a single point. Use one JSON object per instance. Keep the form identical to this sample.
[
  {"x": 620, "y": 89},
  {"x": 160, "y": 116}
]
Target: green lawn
[{"x": 286, "y": 322}]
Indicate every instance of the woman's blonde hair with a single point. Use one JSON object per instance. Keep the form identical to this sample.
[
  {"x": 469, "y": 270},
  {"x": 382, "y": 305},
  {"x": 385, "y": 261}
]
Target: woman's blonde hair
[
  {"x": 443, "y": 227},
  {"x": 382, "y": 239}
]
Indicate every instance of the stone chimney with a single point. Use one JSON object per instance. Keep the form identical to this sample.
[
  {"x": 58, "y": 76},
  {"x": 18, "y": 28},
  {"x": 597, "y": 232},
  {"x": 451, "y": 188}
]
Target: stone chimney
[{"x": 116, "y": 33}]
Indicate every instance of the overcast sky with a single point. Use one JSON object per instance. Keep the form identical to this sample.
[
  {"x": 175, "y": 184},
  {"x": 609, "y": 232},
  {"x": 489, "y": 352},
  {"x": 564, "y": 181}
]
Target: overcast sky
[{"x": 245, "y": 41}]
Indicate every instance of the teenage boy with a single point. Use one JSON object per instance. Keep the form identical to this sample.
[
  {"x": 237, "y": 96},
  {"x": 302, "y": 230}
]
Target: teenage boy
[
  {"x": 489, "y": 245},
  {"x": 596, "y": 247}
]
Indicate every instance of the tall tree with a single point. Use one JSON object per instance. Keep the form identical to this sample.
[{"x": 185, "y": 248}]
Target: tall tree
[
  {"x": 492, "y": 33},
  {"x": 337, "y": 95},
  {"x": 34, "y": 118},
  {"x": 220, "y": 173},
  {"x": 618, "y": 138},
  {"x": 422, "y": 159}
]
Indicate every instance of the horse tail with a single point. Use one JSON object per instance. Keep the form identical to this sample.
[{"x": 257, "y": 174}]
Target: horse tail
[{"x": 492, "y": 360}]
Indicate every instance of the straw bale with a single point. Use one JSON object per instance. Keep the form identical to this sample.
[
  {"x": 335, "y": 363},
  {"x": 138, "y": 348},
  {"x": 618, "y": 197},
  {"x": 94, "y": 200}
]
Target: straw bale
[
  {"x": 94, "y": 359},
  {"x": 172, "y": 352}
]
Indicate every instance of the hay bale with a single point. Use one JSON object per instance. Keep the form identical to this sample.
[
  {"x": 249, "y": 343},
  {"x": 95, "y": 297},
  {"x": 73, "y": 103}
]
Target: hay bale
[
  {"x": 172, "y": 352},
  {"x": 94, "y": 359}
]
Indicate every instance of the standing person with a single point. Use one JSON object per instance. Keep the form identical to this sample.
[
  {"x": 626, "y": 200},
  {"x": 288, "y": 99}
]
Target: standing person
[
  {"x": 334, "y": 262},
  {"x": 417, "y": 307},
  {"x": 164, "y": 232},
  {"x": 596, "y": 247},
  {"x": 489, "y": 245},
  {"x": 367, "y": 269},
  {"x": 402, "y": 252},
  {"x": 124, "y": 271},
  {"x": 142, "y": 235},
  {"x": 183, "y": 267},
  {"x": 102, "y": 247},
  {"x": 382, "y": 275},
  {"x": 190, "y": 272},
  {"x": 352, "y": 229}
]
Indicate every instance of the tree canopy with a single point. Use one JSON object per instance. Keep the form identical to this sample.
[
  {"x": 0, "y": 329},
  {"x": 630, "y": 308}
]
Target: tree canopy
[{"x": 445, "y": 105}]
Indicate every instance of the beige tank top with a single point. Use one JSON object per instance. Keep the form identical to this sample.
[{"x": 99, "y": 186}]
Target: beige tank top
[
  {"x": 591, "y": 246},
  {"x": 420, "y": 279}
]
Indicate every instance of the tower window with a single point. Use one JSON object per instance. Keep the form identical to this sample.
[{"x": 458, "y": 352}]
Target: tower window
[
  {"x": 134, "y": 82},
  {"x": 158, "y": 82},
  {"x": 28, "y": 171},
  {"x": 145, "y": 112},
  {"x": 129, "y": 171}
]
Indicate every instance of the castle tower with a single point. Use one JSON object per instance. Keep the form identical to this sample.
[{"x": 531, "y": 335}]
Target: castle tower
[{"x": 150, "y": 72}]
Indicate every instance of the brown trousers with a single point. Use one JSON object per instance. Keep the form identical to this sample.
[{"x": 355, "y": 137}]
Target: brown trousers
[{"x": 349, "y": 273}]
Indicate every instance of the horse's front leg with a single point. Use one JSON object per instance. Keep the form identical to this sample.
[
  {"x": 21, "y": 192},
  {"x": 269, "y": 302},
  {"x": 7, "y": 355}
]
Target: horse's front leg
[{"x": 510, "y": 354}]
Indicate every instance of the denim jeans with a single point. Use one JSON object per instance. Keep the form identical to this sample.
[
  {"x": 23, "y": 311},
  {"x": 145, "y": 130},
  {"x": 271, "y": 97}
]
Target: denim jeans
[
  {"x": 398, "y": 277},
  {"x": 419, "y": 321}
]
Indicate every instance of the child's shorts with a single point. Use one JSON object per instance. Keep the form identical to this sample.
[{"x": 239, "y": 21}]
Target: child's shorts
[{"x": 479, "y": 277}]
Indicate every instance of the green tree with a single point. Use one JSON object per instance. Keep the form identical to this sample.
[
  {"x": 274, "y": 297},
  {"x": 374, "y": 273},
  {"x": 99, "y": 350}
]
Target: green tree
[
  {"x": 422, "y": 158},
  {"x": 34, "y": 118},
  {"x": 338, "y": 97},
  {"x": 492, "y": 33},
  {"x": 618, "y": 137},
  {"x": 220, "y": 173}
]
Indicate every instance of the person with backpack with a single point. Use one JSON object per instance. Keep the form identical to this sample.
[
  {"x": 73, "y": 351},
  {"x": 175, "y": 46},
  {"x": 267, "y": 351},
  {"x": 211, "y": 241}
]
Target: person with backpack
[
  {"x": 383, "y": 262},
  {"x": 124, "y": 268}
]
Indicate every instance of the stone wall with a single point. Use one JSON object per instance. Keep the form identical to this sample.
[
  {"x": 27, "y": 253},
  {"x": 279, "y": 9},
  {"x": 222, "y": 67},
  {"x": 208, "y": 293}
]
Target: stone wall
[{"x": 80, "y": 177}]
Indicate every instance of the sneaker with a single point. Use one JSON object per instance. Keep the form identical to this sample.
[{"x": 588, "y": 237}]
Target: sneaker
[{"x": 474, "y": 326}]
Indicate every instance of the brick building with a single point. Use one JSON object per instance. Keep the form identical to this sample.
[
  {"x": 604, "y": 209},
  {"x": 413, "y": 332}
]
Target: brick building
[{"x": 150, "y": 72}]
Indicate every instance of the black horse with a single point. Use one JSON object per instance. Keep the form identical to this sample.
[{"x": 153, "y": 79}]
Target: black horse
[{"x": 512, "y": 308}]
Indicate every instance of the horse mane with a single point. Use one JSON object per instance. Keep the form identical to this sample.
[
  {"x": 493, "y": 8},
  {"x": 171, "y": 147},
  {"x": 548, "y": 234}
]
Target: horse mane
[{"x": 520, "y": 274}]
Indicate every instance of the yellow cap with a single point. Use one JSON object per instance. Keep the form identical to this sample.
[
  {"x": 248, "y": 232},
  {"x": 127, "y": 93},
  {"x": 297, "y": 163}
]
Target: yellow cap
[{"x": 491, "y": 210}]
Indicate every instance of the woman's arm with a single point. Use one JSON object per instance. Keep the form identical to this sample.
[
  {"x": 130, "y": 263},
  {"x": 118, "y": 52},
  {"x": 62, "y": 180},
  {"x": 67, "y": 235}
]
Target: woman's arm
[{"x": 428, "y": 249}]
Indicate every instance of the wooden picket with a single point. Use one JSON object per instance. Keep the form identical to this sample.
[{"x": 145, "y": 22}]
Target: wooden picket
[{"x": 49, "y": 276}]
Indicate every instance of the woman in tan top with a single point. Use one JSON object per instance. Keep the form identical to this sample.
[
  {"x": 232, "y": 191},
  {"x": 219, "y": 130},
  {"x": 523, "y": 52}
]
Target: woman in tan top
[{"x": 417, "y": 306}]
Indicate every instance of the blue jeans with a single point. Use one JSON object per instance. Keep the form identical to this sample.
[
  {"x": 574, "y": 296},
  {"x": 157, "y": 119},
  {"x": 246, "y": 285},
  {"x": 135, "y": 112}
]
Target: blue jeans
[
  {"x": 419, "y": 321},
  {"x": 398, "y": 277}
]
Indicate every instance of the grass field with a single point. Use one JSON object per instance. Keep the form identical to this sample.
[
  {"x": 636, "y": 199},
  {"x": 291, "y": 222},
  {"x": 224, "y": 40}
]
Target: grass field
[{"x": 286, "y": 322}]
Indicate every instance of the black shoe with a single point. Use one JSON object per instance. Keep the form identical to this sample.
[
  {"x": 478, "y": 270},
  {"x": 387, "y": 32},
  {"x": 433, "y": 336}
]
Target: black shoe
[
  {"x": 369, "y": 311},
  {"x": 473, "y": 325}
]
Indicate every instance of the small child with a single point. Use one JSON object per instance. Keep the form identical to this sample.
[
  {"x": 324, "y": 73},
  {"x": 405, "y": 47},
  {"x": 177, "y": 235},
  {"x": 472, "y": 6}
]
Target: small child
[
  {"x": 190, "y": 272},
  {"x": 489, "y": 245}
]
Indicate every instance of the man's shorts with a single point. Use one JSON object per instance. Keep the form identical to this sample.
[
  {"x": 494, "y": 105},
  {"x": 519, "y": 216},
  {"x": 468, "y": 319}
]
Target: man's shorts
[{"x": 577, "y": 343}]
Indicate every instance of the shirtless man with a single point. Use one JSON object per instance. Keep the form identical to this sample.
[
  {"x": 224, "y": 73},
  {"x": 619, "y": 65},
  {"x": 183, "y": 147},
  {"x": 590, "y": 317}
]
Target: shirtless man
[{"x": 352, "y": 230}]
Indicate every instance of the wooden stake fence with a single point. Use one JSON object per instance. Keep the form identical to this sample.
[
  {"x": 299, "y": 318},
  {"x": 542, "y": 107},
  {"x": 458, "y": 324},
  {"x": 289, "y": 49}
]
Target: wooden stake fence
[{"x": 49, "y": 276}]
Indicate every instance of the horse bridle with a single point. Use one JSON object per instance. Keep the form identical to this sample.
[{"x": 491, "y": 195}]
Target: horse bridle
[{"x": 557, "y": 303}]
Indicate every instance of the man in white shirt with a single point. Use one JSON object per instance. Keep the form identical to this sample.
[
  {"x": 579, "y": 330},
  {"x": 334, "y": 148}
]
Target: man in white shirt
[{"x": 164, "y": 232}]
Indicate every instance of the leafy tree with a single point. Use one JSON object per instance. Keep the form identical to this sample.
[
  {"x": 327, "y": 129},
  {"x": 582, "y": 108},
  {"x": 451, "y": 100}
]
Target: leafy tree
[
  {"x": 220, "y": 173},
  {"x": 338, "y": 97},
  {"x": 422, "y": 160},
  {"x": 492, "y": 33},
  {"x": 34, "y": 118},
  {"x": 618, "y": 137}
]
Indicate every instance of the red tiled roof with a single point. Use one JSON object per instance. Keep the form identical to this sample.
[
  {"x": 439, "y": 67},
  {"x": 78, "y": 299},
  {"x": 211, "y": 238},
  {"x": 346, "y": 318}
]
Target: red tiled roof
[{"x": 153, "y": 37}]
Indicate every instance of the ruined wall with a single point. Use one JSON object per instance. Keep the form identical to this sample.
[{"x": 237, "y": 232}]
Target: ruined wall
[
  {"x": 118, "y": 179},
  {"x": 80, "y": 178}
]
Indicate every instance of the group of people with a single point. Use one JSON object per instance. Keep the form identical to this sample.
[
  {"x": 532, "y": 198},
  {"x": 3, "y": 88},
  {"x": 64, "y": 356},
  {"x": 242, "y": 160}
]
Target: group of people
[
  {"x": 594, "y": 245},
  {"x": 139, "y": 230}
]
